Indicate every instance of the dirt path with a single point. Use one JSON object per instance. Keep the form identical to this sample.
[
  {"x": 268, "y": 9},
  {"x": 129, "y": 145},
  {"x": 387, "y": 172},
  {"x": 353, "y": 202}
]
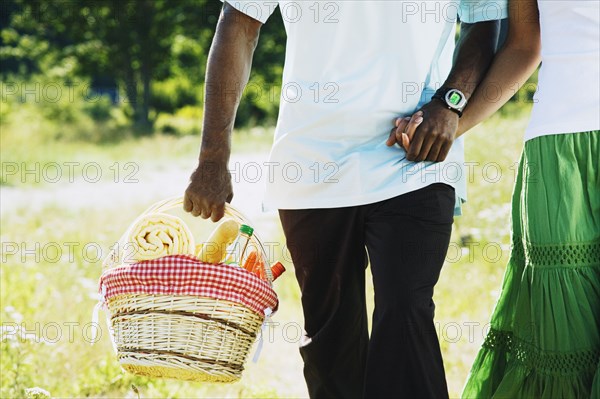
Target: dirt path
[{"x": 152, "y": 182}]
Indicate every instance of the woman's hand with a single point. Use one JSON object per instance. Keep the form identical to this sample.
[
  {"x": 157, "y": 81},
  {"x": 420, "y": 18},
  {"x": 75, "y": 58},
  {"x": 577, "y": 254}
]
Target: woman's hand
[{"x": 404, "y": 129}]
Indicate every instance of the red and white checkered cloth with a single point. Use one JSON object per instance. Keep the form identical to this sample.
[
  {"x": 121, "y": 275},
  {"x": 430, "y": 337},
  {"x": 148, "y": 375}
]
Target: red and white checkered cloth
[{"x": 186, "y": 275}]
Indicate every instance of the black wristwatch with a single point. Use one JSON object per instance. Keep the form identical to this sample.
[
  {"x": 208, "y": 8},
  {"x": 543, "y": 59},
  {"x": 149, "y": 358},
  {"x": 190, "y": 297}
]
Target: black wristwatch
[{"x": 454, "y": 99}]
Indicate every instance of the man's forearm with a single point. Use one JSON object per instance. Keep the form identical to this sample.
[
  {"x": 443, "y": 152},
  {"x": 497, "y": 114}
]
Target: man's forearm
[
  {"x": 473, "y": 56},
  {"x": 431, "y": 131},
  {"x": 228, "y": 71}
]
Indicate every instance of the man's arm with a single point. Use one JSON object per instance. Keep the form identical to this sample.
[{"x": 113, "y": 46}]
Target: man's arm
[
  {"x": 228, "y": 71},
  {"x": 434, "y": 126}
]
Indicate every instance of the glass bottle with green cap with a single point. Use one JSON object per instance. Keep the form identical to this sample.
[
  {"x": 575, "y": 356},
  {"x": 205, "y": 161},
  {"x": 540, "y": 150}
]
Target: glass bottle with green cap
[{"x": 237, "y": 250}]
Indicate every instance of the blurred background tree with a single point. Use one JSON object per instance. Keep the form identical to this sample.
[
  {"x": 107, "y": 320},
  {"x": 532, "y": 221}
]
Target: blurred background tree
[{"x": 149, "y": 54}]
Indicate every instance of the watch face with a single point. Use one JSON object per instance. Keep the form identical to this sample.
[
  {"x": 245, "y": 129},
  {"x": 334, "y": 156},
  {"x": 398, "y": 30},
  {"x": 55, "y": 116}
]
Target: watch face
[{"x": 455, "y": 98}]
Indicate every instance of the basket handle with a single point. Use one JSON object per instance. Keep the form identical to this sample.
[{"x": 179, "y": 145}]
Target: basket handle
[{"x": 170, "y": 203}]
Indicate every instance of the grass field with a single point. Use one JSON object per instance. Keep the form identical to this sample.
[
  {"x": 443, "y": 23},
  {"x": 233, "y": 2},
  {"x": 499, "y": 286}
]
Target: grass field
[{"x": 55, "y": 227}]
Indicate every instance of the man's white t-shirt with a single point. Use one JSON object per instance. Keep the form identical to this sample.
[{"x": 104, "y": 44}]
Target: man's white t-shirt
[
  {"x": 568, "y": 95},
  {"x": 351, "y": 68}
]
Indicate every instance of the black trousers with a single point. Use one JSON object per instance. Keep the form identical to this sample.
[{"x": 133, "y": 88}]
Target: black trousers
[{"x": 407, "y": 238}]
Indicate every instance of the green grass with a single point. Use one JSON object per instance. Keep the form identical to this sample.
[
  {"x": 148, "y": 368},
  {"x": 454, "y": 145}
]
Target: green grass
[
  {"x": 28, "y": 142},
  {"x": 470, "y": 282},
  {"x": 55, "y": 292}
]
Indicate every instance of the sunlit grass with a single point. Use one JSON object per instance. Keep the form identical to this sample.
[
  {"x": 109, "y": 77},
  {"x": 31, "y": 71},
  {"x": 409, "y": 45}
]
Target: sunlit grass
[
  {"x": 24, "y": 146},
  {"x": 472, "y": 276}
]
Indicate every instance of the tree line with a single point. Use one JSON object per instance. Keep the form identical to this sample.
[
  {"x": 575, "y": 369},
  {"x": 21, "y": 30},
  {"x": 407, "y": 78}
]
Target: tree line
[{"x": 153, "y": 52}]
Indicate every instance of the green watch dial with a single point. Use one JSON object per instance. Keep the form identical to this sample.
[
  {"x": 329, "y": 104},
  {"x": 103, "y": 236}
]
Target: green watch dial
[{"x": 455, "y": 98}]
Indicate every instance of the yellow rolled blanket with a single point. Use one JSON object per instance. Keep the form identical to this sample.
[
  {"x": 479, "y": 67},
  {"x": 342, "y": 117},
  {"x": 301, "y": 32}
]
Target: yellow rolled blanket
[{"x": 157, "y": 235}]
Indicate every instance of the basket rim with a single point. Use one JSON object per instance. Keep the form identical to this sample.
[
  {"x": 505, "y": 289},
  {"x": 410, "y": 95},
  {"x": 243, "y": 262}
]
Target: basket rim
[{"x": 186, "y": 276}]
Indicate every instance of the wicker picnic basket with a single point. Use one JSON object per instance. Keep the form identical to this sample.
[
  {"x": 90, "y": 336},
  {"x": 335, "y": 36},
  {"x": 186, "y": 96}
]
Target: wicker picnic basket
[{"x": 176, "y": 317}]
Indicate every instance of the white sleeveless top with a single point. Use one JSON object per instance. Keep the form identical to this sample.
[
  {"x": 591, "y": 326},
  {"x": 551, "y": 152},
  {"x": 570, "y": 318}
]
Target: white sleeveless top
[{"x": 568, "y": 95}]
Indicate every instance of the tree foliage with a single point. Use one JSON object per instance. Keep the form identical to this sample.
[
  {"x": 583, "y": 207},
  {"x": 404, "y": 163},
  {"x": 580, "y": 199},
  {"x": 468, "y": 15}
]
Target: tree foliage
[{"x": 154, "y": 51}]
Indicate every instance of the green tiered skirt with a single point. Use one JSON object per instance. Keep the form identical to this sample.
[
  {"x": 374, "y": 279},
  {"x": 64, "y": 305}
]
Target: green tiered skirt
[{"x": 544, "y": 340}]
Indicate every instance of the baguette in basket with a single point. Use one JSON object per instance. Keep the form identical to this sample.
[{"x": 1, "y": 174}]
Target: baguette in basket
[{"x": 214, "y": 250}]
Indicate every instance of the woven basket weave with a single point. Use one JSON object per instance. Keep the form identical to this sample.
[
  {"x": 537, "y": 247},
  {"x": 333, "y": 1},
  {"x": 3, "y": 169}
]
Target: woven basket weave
[{"x": 184, "y": 337}]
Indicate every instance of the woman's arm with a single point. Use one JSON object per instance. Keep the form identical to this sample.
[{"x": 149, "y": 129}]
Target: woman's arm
[{"x": 513, "y": 65}]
